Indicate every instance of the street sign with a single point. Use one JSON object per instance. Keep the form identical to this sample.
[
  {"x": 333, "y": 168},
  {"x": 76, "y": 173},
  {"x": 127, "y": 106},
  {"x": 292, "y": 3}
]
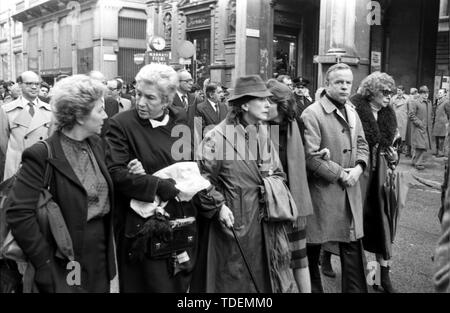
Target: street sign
[
  {"x": 184, "y": 61},
  {"x": 139, "y": 58},
  {"x": 325, "y": 59},
  {"x": 186, "y": 50},
  {"x": 349, "y": 60},
  {"x": 159, "y": 57}
]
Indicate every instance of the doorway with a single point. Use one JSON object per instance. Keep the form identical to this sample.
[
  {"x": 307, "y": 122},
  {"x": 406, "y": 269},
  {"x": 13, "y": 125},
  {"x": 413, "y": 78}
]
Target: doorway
[
  {"x": 202, "y": 42},
  {"x": 285, "y": 47}
]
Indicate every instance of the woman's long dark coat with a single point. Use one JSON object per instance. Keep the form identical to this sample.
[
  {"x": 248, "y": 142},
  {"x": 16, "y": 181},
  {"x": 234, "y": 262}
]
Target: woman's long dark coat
[
  {"x": 131, "y": 137},
  {"x": 71, "y": 197},
  {"x": 379, "y": 135}
]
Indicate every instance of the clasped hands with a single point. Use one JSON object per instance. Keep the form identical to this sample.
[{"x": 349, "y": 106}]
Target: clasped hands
[{"x": 350, "y": 176}]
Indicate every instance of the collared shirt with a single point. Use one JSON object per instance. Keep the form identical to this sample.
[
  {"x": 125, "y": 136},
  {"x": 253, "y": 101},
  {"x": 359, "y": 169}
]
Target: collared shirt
[
  {"x": 25, "y": 102},
  {"x": 213, "y": 104},
  {"x": 181, "y": 95},
  {"x": 156, "y": 123}
]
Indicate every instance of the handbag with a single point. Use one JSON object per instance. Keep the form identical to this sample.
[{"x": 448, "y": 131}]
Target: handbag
[
  {"x": 183, "y": 237},
  {"x": 277, "y": 201},
  {"x": 10, "y": 250}
]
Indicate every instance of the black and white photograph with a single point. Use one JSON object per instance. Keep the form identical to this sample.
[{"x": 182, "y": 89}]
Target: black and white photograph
[{"x": 224, "y": 152}]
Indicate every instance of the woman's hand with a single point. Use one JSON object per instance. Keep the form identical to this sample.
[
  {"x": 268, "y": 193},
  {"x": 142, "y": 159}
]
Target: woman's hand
[
  {"x": 226, "y": 216},
  {"x": 135, "y": 167}
]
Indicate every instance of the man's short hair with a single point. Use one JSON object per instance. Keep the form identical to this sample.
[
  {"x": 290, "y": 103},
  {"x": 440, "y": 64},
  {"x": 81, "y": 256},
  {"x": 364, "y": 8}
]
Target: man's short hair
[
  {"x": 401, "y": 87},
  {"x": 336, "y": 67},
  {"x": 211, "y": 88}
]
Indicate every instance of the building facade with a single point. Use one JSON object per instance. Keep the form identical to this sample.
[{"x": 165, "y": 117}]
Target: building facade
[
  {"x": 304, "y": 37},
  {"x": 11, "y": 43},
  {"x": 75, "y": 37}
]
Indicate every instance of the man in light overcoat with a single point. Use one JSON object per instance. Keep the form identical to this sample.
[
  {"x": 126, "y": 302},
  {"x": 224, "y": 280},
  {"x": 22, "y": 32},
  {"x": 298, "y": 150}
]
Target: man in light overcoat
[
  {"x": 23, "y": 122},
  {"x": 332, "y": 122}
]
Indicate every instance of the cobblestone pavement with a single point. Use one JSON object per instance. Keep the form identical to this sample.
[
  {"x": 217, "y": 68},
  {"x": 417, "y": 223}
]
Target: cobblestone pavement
[{"x": 417, "y": 233}]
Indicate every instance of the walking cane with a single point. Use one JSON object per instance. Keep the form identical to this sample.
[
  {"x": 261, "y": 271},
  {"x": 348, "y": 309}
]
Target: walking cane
[{"x": 245, "y": 260}]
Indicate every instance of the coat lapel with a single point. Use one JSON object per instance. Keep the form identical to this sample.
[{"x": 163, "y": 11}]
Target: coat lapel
[
  {"x": 210, "y": 112},
  {"x": 351, "y": 115},
  {"x": 249, "y": 161},
  {"x": 23, "y": 119}
]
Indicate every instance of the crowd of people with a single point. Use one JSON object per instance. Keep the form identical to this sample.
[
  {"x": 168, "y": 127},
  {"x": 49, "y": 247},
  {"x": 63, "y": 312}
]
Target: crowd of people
[{"x": 293, "y": 179}]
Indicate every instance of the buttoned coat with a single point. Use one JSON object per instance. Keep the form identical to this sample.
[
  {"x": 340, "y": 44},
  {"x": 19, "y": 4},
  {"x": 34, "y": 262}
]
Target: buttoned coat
[
  {"x": 441, "y": 118},
  {"x": 69, "y": 193},
  {"x": 19, "y": 130},
  {"x": 326, "y": 127},
  {"x": 400, "y": 106},
  {"x": 420, "y": 115}
]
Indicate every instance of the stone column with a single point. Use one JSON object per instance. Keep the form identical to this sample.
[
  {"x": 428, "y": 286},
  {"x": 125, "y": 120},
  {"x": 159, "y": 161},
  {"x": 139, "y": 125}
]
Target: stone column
[
  {"x": 56, "y": 56},
  {"x": 106, "y": 18},
  {"x": 40, "y": 47},
  {"x": 254, "y": 37},
  {"x": 343, "y": 24}
]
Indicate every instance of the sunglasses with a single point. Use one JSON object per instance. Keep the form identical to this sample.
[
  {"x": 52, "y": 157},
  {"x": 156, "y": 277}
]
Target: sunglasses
[{"x": 387, "y": 93}]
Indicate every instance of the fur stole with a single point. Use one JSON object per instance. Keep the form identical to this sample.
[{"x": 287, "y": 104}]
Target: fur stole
[{"x": 381, "y": 131}]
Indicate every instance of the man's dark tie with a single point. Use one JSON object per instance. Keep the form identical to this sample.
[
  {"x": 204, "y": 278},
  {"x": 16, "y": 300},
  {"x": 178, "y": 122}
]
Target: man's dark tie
[
  {"x": 185, "y": 102},
  {"x": 31, "y": 109}
]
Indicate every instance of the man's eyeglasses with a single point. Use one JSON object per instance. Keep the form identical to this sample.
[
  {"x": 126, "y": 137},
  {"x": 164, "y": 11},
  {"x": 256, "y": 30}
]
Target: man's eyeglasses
[
  {"x": 187, "y": 80},
  {"x": 31, "y": 84}
]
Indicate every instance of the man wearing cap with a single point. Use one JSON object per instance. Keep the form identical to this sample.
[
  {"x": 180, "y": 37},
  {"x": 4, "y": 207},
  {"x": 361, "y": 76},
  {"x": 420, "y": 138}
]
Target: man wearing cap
[
  {"x": 420, "y": 115},
  {"x": 301, "y": 94},
  {"x": 332, "y": 122},
  {"x": 237, "y": 172}
]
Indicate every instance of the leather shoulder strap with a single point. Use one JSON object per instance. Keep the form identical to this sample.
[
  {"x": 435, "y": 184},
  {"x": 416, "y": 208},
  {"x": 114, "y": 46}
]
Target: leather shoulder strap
[{"x": 48, "y": 169}]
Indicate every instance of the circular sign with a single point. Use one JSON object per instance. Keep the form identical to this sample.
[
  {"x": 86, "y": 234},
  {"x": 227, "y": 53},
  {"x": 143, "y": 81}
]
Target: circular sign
[
  {"x": 157, "y": 43},
  {"x": 186, "y": 49},
  {"x": 139, "y": 58}
]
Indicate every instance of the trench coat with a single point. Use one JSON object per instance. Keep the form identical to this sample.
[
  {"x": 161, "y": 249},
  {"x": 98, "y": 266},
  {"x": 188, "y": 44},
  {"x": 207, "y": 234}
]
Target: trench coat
[
  {"x": 237, "y": 182},
  {"x": 326, "y": 127},
  {"x": 131, "y": 137},
  {"x": 420, "y": 115},
  {"x": 441, "y": 118},
  {"x": 70, "y": 195},
  {"x": 19, "y": 130},
  {"x": 400, "y": 106}
]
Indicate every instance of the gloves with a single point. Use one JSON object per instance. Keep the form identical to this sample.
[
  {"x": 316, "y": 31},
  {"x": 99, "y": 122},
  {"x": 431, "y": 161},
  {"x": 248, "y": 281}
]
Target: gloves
[
  {"x": 44, "y": 278},
  {"x": 166, "y": 189}
]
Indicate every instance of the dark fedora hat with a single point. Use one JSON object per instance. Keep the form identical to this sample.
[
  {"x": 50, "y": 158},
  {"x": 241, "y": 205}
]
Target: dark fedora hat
[{"x": 251, "y": 85}]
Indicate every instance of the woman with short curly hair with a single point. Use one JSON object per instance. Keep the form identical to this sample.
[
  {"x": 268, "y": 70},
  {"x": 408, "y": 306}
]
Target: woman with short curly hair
[
  {"x": 380, "y": 128},
  {"x": 81, "y": 186}
]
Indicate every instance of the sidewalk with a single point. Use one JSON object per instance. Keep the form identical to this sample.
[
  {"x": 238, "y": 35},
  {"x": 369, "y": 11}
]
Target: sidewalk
[{"x": 412, "y": 269}]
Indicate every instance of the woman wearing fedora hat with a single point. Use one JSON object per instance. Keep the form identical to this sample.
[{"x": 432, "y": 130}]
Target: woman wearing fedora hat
[{"x": 237, "y": 202}]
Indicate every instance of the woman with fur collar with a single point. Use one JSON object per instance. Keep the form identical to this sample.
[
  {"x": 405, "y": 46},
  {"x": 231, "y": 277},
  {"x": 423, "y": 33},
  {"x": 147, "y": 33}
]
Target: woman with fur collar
[{"x": 380, "y": 128}]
